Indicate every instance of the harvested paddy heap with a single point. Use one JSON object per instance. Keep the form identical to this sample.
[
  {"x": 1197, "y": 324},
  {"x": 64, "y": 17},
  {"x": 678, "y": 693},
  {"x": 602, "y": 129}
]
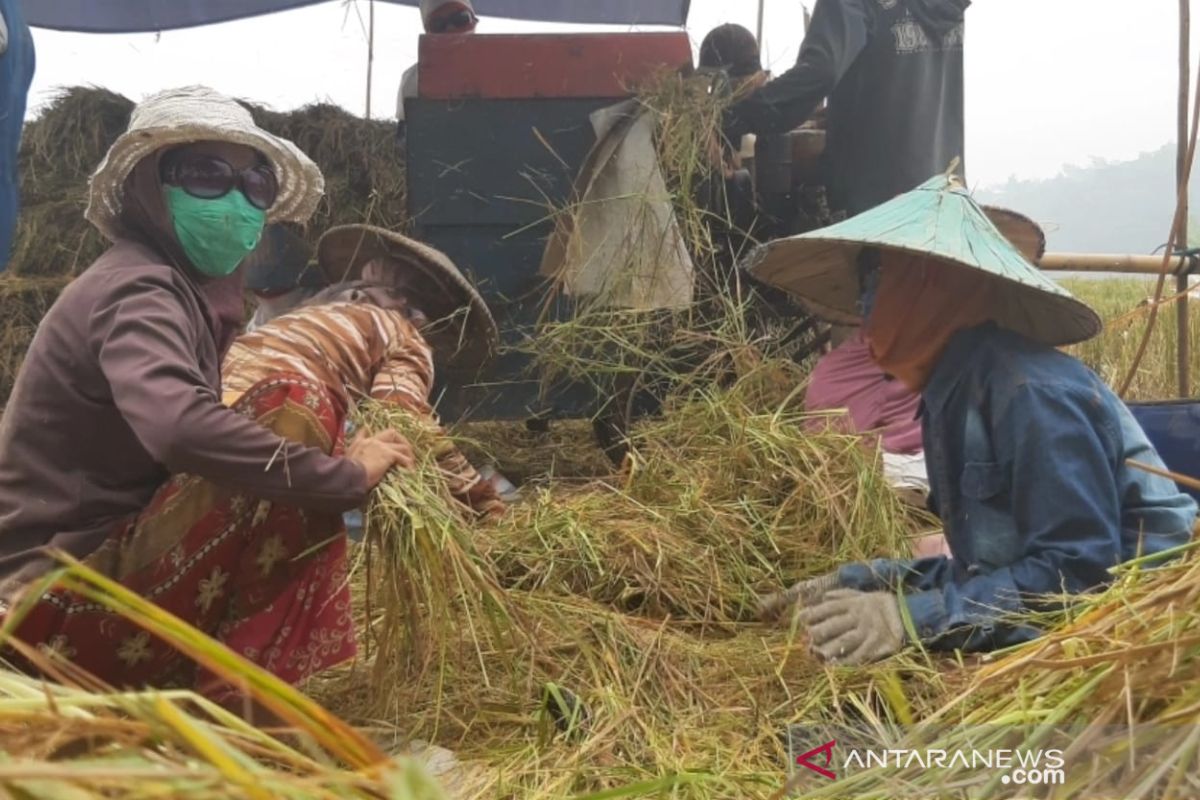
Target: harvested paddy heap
[{"x": 601, "y": 640}]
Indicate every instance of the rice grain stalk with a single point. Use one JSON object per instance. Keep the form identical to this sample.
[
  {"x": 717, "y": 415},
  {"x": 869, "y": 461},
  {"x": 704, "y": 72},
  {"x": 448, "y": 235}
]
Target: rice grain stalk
[{"x": 436, "y": 601}]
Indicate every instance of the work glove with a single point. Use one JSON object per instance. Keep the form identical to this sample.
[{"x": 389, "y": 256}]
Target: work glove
[
  {"x": 852, "y": 627},
  {"x": 805, "y": 593}
]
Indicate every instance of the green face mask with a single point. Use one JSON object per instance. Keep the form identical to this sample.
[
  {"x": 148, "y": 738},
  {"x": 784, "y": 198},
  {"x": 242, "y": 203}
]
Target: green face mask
[{"x": 215, "y": 234}]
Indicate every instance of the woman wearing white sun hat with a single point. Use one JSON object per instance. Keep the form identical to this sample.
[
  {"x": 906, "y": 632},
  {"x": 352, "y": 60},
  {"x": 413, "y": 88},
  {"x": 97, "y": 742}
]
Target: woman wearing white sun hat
[{"x": 115, "y": 446}]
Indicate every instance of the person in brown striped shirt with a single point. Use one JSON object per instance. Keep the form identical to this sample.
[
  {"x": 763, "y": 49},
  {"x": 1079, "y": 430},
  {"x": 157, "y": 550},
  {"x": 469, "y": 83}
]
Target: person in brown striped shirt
[{"x": 361, "y": 339}]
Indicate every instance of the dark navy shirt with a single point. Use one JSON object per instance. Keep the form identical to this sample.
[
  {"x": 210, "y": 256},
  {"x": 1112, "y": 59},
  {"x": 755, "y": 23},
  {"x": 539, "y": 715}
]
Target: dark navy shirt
[{"x": 1026, "y": 450}]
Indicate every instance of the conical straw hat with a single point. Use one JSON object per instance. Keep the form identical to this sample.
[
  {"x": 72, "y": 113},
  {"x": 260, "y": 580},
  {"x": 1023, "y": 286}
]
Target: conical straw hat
[
  {"x": 938, "y": 219},
  {"x": 460, "y": 320}
]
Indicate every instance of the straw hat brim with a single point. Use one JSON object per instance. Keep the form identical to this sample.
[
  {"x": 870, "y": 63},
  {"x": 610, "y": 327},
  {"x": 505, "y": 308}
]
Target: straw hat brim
[
  {"x": 937, "y": 221},
  {"x": 300, "y": 182},
  {"x": 1022, "y": 232},
  {"x": 461, "y": 324}
]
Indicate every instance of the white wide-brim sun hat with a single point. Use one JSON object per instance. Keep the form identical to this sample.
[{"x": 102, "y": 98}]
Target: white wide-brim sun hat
[{"x": 199, "y": 114}]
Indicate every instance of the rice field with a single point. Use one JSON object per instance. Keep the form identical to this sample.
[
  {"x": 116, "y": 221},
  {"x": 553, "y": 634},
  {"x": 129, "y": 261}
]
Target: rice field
[{"x": 1121, "y": 304}]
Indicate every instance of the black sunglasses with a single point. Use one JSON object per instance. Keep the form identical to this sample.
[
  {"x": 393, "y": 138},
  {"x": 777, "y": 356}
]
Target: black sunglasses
[
  {"x": 457, "y": 21},
  {"x": 209, "y": 177}
]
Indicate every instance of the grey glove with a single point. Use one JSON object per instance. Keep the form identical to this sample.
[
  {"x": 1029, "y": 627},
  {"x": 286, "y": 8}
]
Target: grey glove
[
  {"x": 806, "y": 592},
  {"x": 852, "y": 627}
]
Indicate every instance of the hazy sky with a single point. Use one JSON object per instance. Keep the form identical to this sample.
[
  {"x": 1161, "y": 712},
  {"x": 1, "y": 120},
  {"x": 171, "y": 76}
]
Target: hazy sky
[{"x": 1049, "y": 82}]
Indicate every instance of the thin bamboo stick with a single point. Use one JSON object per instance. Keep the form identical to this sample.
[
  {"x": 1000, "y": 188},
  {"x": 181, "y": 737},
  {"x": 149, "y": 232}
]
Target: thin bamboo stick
[
  {"x": 1183, "y": 330},
  {"x": 762, "y": 8},
  {"x": 370, "y": 51},
  {"x": 1182, "y": 480},
  {"x": 1172, "y": 243}
]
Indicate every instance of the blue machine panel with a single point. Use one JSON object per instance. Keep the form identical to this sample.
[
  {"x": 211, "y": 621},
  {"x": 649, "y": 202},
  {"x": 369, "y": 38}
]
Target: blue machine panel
[
  {"x": 483, "y": 176},
  {"x": 494, "y": 162},
  {"x": 1174, "y": 430}
]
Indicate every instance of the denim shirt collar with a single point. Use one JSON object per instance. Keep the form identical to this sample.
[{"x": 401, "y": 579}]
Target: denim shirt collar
[{"x": 952, "y": 366}]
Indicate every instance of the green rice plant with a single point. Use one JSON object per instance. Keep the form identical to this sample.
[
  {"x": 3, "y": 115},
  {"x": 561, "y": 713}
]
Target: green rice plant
[{"x": 1123, "y": 304}]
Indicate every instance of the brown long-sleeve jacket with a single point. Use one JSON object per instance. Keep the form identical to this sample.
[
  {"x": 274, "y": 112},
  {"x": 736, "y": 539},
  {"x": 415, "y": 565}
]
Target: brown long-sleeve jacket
[{"x": 120, "y": 388}]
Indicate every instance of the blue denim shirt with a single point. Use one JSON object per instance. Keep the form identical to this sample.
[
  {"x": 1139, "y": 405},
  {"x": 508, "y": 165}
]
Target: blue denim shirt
[{"x": 1026, "y": 450}]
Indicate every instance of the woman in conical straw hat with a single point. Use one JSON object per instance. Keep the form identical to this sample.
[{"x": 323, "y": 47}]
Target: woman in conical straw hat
[
  {"x": 1026, "y": 446},
  {"x": 393, "y": 304},
  {"x": 116, "y": 448},
  {"x": 848, "y": 389}
]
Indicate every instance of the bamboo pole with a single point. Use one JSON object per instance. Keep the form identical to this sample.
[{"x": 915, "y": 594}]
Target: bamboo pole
[
  {"x": 370, "y": 51},
  {"x": 1114, "y": 263},
  {"x": 1182, "y": 321},
  {"x": 762, "y": 8},
  {"x": 1172, "y": 243}
]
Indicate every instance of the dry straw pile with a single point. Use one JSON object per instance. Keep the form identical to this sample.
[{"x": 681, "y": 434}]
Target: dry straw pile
[{"x": 602, "y": 636}]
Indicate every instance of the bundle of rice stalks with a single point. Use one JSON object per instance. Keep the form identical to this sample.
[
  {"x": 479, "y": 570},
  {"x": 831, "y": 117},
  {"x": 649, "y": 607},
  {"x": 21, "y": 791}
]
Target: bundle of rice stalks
[
  {"x": 363, "y": 168},
  {"x": 76, "y": 738},
  {"x": 25, "y": 301},
  {"x": 436, "y": 600},
  {"x": 621, "y": 351}
]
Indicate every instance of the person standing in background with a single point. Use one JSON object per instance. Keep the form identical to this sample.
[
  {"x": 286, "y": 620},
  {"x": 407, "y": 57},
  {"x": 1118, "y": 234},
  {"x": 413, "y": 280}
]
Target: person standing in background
[
  {"x": 16, "y": 73},
  {"x": 438, "y": 16},
  {"x": 734, "y": 49},
  {"x": 893, "y": 73}
]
